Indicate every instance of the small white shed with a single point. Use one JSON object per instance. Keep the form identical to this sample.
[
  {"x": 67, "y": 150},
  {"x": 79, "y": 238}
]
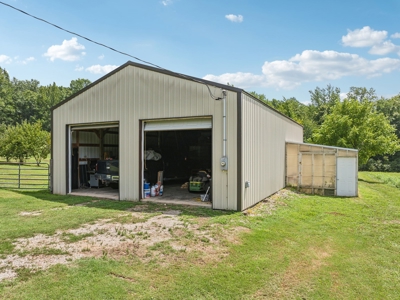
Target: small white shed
[{"x": 323, "y": 170}]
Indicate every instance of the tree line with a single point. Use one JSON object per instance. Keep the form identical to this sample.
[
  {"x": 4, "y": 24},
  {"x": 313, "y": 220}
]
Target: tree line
[
  {"x": 25, "y": 119},
  {"x": 361, "y": 120}
]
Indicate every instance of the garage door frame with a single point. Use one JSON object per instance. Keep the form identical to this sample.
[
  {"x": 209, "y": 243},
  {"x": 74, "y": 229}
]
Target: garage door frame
[
  {"x": 72, "y": 127},
  {"x": 171, "y": 124}
]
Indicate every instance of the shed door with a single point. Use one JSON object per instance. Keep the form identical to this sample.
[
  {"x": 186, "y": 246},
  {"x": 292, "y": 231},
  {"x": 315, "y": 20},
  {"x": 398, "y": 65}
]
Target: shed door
[
  {"x": 346, "y": 176},
  {"x": 178, "y": 124}
]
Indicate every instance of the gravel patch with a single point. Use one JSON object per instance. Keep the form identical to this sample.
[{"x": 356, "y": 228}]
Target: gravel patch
[{"x": 109, "y": 238}]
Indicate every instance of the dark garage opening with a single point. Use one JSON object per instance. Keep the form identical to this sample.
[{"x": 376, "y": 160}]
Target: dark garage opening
[
  {"x": 94, "y": 161},
  {"x": 185, "y": 158}
]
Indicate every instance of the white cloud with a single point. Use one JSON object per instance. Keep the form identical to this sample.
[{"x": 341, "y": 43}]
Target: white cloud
[
  {"x": 365, "y": 37},
  {"x": 166, "y": 2},
  {"x": 309, "y": 66},
  {"x": 4, "y": 59},
  {"x": 98, "y": 69},
  {"x": 26, "y": 61},
  {"x": 79, "y": 68},
  {"x": 69, "y": 50},
  {"x": 235, "y": 18},
  {"x": 385, "y": 48},
  {"x": 101, "y": 57},
  {"x": 395, "y": 35}
]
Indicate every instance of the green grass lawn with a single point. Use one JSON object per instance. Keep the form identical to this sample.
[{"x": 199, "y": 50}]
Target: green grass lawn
[{"x": 308, "y": 247}]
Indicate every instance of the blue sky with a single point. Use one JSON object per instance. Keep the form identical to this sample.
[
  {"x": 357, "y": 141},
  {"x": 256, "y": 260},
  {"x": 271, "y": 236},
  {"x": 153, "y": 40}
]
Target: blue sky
[{"x": 277, "y": 48}]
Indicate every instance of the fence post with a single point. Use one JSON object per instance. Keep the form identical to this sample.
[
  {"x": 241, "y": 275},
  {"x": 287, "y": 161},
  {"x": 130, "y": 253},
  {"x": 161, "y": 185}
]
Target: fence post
[{"x": 19, "y": 175}]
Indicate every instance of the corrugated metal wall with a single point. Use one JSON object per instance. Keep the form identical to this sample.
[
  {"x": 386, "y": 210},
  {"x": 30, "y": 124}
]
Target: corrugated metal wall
[
  {"x": 133, "y": 94},
  {"x": 264, "y": 134}
]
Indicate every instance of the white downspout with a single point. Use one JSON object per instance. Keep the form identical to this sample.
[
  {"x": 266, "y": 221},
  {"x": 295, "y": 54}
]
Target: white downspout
[{"x": 224, "y": 158}]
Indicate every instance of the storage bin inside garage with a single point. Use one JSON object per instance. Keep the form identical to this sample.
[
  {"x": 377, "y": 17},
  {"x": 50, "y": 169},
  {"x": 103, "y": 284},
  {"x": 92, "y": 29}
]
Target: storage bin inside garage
[{"x": 313, "y": 169}]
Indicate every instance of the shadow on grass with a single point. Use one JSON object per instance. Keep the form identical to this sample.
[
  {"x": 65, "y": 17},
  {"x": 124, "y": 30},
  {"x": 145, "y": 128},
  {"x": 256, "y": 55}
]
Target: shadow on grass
[
  {"x": 138, "y": 206},
  {"x": 371, "y": 182}
]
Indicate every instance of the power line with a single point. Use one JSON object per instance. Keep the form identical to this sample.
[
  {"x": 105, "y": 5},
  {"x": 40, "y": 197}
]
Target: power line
[{"x": 110, "y": 48}]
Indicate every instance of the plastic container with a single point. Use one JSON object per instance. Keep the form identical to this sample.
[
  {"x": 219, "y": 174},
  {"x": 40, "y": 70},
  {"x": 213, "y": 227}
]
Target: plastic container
[
  {"x": 153, "y": 191},
  {"x": 146, "y": 189},
  {"x": 157, "y": 190},
  {"x": 161, "y": 190}
]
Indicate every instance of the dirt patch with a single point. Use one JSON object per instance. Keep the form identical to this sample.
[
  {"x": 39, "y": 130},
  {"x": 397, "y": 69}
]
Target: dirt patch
[
  {"x": 164, "y": 236},
  {"x": 30, "y": 213},
  {"x": 269, "y": 204},
  {"x": 392, "y": 222}
]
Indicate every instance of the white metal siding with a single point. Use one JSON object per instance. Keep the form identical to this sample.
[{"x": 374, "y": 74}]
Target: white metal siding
[
  {"x": 133, "y": 94},
  {"x": 264, "y": 133}
]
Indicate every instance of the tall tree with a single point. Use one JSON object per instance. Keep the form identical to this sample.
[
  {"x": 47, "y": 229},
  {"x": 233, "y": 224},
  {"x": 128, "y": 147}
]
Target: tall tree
[
  {"x": 355, "y": 124},
  {"x": 322, "y": 102},
  {"x": 391, "y": 109},
  {"x": 7, "y": 109},
  {"x": 78, "y": 84},
  {"x": 362, "y": 94},
  {"x": 24, "y": 99}
]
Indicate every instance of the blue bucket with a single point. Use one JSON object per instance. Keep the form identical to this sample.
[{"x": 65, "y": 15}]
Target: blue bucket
[{"x": 146, "y": 189}]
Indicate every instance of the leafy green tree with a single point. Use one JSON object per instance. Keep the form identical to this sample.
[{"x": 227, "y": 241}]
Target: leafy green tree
[
  {"x": 6, "y": 106},
  {"x": 78, "y": 84},
  {"x": 24, "y": 98},
  {"x": 362, "y": 94},
  {"x": 25, "y": 140},
  {"x": 355, "y": 124},
  {"x": 391, "y": 109},
  {"x": 12, "y": 142},
  {"x": 322, "y": 102},
  {"x": 48, "y": 96},
  {"x": 36, "y": 141}
]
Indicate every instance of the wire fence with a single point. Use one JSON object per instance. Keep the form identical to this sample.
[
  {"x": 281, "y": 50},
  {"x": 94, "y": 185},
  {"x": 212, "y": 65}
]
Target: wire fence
[{"x": 24, "y": 175}]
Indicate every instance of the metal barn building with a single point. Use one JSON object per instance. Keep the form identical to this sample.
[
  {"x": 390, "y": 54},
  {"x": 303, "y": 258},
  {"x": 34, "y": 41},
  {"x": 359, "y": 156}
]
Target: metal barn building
[{"x": 138, "y": 110}]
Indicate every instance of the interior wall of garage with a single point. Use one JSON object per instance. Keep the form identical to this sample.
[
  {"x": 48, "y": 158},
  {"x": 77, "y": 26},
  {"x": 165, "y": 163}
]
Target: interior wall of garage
[
  {"x": 133, "y": 94},
  {"x": 264, "y": 135},
  {"x": 93, "y": 151}
]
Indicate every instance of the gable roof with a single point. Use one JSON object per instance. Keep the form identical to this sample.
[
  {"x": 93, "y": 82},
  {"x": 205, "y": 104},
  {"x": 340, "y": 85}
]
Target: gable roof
[
  {"x": 158, "y": 70},
  {"x": 175, "y": 74}
]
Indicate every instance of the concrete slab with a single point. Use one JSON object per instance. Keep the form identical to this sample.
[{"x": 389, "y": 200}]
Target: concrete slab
[
  {"x": 104, "y": 193},
  {"x": 173, "y": 194}
]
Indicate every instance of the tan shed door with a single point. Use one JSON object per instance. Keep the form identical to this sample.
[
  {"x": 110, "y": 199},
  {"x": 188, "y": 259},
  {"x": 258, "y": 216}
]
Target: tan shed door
[
  {"x": 178, "y": 124},
  {"x": 346, "y": 176}
]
